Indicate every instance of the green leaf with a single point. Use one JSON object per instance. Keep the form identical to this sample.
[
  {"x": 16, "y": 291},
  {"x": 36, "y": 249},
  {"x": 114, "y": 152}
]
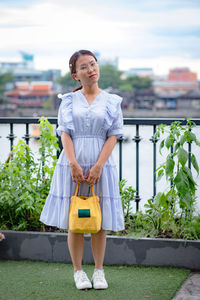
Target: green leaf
[
  {"x": 168, "y": 142},
  {"x": 177, "y": 146},
  {"x": 197, "y": 142},
  {"x": 188, "y": 172},
  {"x": 194, "y": 163},
  {"x": 192, "y": 183},
  {"x": 192, "y": 136},
  {"x": 171, "y": 196},
  {"x": 156, "y": 199},
  {"x": 182, "y": 140},
  {"x": 161, "y": 146},
  {"x": 192, "y": 187},
  {"x": 185, "y": 200},
  {"x": 163, "y": 200},
  {"x": 181, "y": 182},
  {"x": 160, "y": 174},
  {"x": 182, "y": 156},
  {"x": 169, "y": 166}
]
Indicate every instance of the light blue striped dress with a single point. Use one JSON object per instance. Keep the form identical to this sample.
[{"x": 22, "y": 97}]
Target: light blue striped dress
[{"x": 89, "y": 126}]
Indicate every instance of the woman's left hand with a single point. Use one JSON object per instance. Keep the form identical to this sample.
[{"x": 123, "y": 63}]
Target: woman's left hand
[{"x": 93, "y": 175}]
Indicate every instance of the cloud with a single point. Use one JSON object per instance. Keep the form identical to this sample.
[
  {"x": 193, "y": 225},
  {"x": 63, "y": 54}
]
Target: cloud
[
  {"x": 11, "y": 26},
  {"x": 54, "y": 29},
  {"x": 17, "y": 4},
  {"x": 50, "y": 25},
  {"x": 155, "y": 5},
  {"x": 193, "y": 31}
]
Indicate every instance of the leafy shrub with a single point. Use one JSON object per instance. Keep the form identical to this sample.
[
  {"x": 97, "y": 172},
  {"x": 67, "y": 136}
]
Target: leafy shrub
[
  {"x": 172, "y": 212},
  {"x": 127, "y": 196},
  {"x": 25, "y": 183}
]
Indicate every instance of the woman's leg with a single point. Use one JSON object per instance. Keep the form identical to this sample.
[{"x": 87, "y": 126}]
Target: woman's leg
[
  {"x": 76, "y": 246},
  {"x": 98, "y": 241}
]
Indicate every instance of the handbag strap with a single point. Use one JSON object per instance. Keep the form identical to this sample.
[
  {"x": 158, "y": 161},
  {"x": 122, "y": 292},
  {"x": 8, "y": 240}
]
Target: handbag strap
[{"x": 77, "y": 187}]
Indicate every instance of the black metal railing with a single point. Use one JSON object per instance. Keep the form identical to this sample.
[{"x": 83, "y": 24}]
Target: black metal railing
[{"x": 153, "y": 122}]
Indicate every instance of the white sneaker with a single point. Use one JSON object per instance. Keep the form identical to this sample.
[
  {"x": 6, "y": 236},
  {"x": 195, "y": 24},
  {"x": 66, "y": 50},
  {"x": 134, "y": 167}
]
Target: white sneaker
[
  {"x": 98, "y": 279},
  {"x": 81, "y": 280}
]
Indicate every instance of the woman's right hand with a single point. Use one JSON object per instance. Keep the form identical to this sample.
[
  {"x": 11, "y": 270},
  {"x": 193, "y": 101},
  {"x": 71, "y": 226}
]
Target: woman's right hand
[{"x": 77, "y": 173}]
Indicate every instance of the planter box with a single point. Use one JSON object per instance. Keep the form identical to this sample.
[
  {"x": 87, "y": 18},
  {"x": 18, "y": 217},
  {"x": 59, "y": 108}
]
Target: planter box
[{"x": 52, "y": 247}]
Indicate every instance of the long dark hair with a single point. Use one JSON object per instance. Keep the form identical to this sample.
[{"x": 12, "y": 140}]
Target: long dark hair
[{"x": 73, "y": 60}]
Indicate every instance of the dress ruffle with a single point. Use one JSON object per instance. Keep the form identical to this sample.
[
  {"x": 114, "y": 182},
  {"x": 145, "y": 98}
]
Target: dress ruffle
[
  {"x": 113, "y": 118},
  {"x": 65, "y": 117},
  {"x": 112, "y": 108}
]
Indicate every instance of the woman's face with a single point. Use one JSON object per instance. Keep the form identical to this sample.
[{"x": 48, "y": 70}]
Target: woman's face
[{"x": 87, "y": 70}]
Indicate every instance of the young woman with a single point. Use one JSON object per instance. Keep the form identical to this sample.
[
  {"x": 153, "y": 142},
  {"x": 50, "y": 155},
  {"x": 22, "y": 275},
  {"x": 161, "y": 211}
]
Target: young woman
[{"x": 90, "y": 121}]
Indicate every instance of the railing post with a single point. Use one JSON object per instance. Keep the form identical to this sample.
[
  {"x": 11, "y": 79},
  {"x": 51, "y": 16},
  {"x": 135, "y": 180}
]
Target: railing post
[
  {"x": 26, "y": 137},
  {"x": 154, "y": 141},
  {"x": 172, "y": 151},
  {"x": 59, "y": 143},
  {"x": 137, "y": 139},
  {"x": 189, "y": 153},
  {"x": 11, "y": 136},
  {"x": 120, "y": 157}
]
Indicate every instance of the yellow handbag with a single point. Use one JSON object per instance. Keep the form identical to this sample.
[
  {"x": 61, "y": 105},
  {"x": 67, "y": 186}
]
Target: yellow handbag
[{"x": 84, "y": 213}]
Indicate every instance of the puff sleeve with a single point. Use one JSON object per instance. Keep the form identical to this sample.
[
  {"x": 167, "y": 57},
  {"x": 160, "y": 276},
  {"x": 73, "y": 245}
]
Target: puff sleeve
[
  {"x": 114, "y": 117},
  {"x": 65, "y": 117}
]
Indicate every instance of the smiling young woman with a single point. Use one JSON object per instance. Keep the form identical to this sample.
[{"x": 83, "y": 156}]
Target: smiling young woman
[{"x": 90, "y": 121}]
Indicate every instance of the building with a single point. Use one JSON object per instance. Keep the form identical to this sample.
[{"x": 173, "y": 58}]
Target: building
[
  {"x": 182, "y": 75},
  {"x": 166, "y": 102},
  {"x": 51, "y": 75},
  {"x": 173, "y": 88},
  {"x": 191, "y": 100},
  {"x": 25, "y": 71},
  {"x": 144, "y": 99},
  {"x": 180, "y": 81},
  {"x": 32, "y": 94}
]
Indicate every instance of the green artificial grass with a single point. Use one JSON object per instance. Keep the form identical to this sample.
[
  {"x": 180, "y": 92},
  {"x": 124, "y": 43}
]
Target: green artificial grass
[{"x": 26, "y": 280}]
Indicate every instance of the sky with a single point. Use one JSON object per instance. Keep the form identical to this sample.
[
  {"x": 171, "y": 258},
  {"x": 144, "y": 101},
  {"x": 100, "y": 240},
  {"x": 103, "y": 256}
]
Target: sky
[{"x": 158, "y": 34}]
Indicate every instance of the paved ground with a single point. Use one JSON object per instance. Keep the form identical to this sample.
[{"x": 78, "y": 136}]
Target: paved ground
[{"x": 190, "y": 289}]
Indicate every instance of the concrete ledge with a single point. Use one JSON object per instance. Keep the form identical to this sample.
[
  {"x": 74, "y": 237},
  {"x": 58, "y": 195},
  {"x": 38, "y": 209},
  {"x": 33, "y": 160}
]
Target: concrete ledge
[{"x": 52, "y": 247}]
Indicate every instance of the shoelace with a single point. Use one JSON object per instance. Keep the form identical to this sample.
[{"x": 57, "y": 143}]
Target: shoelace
[
  {"x": 83, "y": 276},
  {"x": 99, "y": 275}
]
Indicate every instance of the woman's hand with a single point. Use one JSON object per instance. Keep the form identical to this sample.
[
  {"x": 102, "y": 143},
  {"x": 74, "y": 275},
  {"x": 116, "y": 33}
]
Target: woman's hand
[
  {"x": 93, "y": 175},
  {"x": 75, "y": 168},
  {"x": 77, "y": 173}
]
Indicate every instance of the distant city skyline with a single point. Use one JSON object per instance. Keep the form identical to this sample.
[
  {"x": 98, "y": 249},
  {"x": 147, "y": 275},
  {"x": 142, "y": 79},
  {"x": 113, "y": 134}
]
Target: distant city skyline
[{"x": 143, "y": 34}]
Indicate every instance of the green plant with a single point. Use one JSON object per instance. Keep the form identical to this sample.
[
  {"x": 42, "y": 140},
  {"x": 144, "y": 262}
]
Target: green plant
[
  {"x": 127, "y": 196},
  {"x": 173, "y": 210},
  {"x": 25, "y": 181},
  {"x": 49, "y": 143}
]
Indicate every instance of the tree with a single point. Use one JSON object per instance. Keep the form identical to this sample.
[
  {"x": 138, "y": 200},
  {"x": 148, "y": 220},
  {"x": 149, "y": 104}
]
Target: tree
[
  {"x": 67, "y": 81},
  {"x": 109, "y": 77},
  {"x": 126, "y": 87},
  {"x": 5, "y": 78},
  {"x": 137, "y": 82}
]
